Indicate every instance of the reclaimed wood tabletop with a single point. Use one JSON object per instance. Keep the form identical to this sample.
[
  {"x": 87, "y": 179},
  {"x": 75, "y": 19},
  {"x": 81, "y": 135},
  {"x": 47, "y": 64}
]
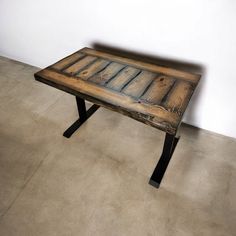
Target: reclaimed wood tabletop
[{"x": 150, "y": 93}]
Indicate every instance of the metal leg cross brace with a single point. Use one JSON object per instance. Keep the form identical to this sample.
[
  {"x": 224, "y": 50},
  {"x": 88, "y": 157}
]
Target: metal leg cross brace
[{"x": 83, "y": 116}]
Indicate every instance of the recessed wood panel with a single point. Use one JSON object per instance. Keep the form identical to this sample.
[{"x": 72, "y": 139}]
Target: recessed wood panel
[
  {"x": 62, "y": 64},
  {"x": 107, "y": 74},
  {"x": 121, "y": 79},
  {"x": 95, "y": 67},
  {"x": 158, "y": 89},
  {"x": 194, "y": 78},
  {"x": 154, "y": 95},
  {"x": 139, "y": 84},
  {"x": 80, "y": 64}
]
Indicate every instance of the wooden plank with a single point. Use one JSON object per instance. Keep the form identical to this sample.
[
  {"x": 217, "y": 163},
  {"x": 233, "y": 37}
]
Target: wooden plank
[
  {"x": 151, "y": 115},
  {"x": 138, "y": 85},
  {"x": 194, "y": 78},
  {"x": 158, "y": 90},
  {"x": 127, "y": 86},
  {"x": 179, "y": 97},
  {"x": 108, "y": 73},
  {"x": 60, "y": 65},
  {"x": 120, "y": 80},
  {"x": 76, "y": 67},
  {"x": 95, "y": 67}
]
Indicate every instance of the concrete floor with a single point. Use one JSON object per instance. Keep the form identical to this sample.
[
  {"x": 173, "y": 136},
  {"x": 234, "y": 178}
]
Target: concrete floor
[{"x": 96, "y": 182}]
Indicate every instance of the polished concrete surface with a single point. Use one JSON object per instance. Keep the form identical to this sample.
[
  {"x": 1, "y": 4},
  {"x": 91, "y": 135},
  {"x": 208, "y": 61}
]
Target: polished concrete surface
[{"x": 96, "y": 182}]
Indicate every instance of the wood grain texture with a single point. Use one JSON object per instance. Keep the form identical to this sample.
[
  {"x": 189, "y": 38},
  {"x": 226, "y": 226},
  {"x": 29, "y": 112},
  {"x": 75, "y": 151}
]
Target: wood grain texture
[
  {"x": 95, "y": 67},
  {"x": 151, "y": 94},
  {"x": 178, "y": 97},
  {"x": 138, "y": 85},
  {"x": 68, "y": 61},
  {"x": 151, "y": 115},
  {"x": 76, "y": 67},
  {"x": 143, "y": 65},
  {"x": 107, "y": 74},
  {"x": 118, "y": 82},
  {"x": 158, "y": 89}
]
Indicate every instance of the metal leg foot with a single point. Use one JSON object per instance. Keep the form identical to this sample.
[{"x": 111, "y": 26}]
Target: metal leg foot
[
  {"x": 83, "y": 116},
  {"x": 168, "y": 150}
]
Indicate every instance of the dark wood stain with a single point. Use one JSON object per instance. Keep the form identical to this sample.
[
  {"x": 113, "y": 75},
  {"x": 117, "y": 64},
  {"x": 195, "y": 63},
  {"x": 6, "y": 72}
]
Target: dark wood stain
[{"x": 154, "y": 95}]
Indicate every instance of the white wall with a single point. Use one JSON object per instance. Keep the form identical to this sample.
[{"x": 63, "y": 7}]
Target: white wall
[{"x": 197, "y": 31}]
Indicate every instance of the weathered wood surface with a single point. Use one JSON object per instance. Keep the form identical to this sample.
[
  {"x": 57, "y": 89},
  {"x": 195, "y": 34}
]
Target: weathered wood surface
[
  {"x": 71, "y": 60},
  {"x": 74, "y": 68},
  {"x": 94, "y": 68},
  {"x": 158, "y": 89},
  {"x": 123, "y": 78},
  {"x": 107, "y": 74},
  {"x": 155, "y": 95},
  {"x": 137, "y": 86}
]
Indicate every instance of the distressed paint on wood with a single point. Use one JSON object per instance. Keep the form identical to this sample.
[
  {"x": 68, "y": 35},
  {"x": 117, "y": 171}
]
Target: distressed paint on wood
[
  {"x": 177, "y": 99},
  {"x": 70, "y": 60},
  {"x": 108, "y": 73},
  {"x": 138, "y": 85},
  {"x": 143, "y": 65},
  {"x": 152, "y": 115},
  {"x": 154, "y": 95},
  {"x": 120, "y": 80},
  {"x": 158, "y": 89},
  {"x": 75, "y": 68},
  {"x": 95, "y": 67}
]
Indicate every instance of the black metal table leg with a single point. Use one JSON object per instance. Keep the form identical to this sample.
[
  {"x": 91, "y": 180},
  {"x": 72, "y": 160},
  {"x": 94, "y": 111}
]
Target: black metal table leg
[
  {"x": 81, "y": 108},
  {"x": 168, "y": 150},
  {"x": 83, "y": 116}
]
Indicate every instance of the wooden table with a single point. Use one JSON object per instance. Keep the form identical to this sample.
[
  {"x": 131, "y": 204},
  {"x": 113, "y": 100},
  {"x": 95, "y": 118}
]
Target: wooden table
[{"x": 152, "y": 94}]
